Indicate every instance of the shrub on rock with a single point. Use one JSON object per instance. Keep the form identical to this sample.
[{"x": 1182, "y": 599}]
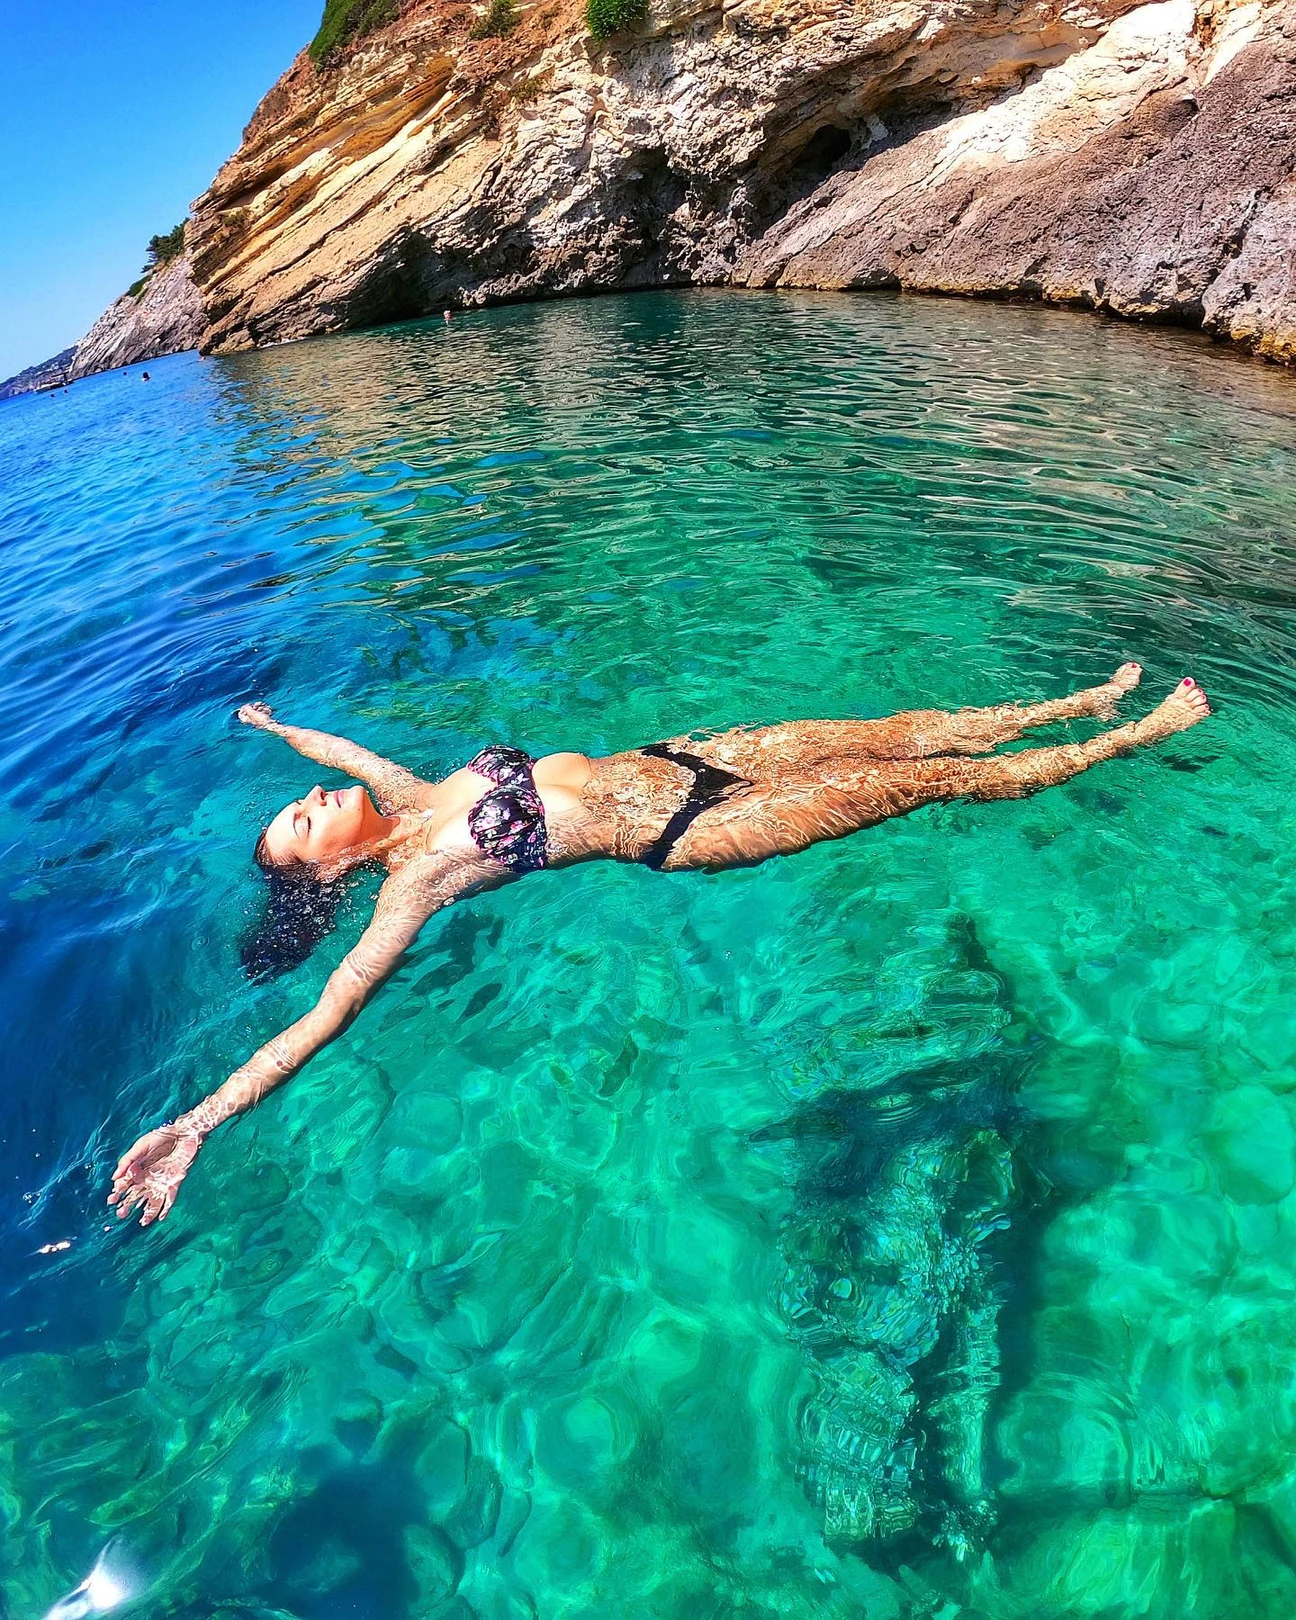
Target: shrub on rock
[{"x": 611, "y": 16}]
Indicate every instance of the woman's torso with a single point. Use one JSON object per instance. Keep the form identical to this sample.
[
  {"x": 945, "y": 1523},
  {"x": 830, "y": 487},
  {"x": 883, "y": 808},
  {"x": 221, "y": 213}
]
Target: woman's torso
[{"x": 612, "y": 807}]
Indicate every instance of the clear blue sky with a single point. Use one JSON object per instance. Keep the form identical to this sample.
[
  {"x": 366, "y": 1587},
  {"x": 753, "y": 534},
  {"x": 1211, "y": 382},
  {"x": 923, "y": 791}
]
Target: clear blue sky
[{"x": 114, "y": 116}]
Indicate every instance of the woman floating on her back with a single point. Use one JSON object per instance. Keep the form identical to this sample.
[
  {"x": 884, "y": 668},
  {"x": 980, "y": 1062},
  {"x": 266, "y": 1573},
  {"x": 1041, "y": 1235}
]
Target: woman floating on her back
[{"x": 731, "y": 800}]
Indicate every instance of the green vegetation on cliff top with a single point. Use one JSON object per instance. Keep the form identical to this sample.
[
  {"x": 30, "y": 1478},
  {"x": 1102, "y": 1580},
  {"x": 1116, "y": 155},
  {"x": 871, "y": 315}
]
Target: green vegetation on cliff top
[
  {"x": 345, "y": 20},
  {"x": 611, "y": 16},
  {"x": 500, "y": 19},
  {"x": 161, "y": 250}
]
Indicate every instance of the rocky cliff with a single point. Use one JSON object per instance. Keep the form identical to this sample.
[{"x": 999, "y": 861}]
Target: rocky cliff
[
  {"x": 166, "y": 316},
  {"x": 163, "y": 317},
  {"x": 1136, "y": 158},
  {"x": 1149, "y": 176}
]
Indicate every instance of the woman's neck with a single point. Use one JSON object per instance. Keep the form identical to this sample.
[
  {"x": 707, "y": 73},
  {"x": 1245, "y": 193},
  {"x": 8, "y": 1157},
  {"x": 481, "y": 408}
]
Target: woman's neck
[{"x": 397, "y": 831}]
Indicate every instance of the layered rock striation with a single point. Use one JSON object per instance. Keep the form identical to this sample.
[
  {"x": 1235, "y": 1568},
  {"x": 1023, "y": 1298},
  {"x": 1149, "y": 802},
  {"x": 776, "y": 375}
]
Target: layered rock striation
[
  {"x": 1138, "y": 159},
  {"x": 1150, "y": 177}
]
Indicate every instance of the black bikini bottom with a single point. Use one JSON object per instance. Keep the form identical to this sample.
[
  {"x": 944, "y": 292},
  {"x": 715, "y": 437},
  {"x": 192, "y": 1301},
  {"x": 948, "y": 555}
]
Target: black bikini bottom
[{"x": 710, "y": 785}]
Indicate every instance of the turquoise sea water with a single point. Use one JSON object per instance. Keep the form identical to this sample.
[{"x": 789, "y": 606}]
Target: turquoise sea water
[{"x": 901, "y": 1230}]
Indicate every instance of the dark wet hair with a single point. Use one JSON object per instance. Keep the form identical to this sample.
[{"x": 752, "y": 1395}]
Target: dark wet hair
[{"x": 300, "y": 909}]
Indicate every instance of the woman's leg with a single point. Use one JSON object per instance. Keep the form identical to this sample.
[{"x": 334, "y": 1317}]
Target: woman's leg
[
  {"x": 765, "y": 753},
  {"x": 782, "y": 817}
]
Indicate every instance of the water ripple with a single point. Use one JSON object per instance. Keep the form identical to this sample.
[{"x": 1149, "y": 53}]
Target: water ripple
[{"x": 898, "y": 1229}]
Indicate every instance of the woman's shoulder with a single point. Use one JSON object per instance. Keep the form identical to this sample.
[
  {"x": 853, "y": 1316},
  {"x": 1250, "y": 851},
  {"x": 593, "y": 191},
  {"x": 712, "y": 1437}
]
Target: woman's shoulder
[{"x": 432, "y": 875}]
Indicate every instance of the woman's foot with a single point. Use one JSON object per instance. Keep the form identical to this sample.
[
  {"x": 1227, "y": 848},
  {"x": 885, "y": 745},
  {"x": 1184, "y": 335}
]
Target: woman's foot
[
  {"x": 1185, "y": 707},
  {"x": 1105, "y": 698}
]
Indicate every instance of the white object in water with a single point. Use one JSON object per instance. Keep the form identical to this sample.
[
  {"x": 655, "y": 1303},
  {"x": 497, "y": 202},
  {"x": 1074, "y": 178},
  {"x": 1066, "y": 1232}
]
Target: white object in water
[{"x": 103, "y": 1589}]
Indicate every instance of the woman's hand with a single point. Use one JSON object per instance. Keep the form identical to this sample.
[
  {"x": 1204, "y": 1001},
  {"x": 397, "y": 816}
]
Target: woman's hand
[
  {"x": 150, "y": 1173},
  {"x": 256, "y": 714}
]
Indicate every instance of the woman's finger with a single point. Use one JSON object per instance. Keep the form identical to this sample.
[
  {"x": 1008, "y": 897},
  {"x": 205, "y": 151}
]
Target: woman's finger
[
  {"x": 152, "y": 1190},
  {"x": 125, "y": 1162},
  {"x": 135, "y": 1155},
  {"x": 127, "y": 1170}
]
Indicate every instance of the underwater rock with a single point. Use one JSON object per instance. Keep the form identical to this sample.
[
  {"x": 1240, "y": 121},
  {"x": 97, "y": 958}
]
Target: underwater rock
[
  {"x": 442, "y": 1470},
  {"x": 862, "y": 1451},
  {"x": 894, "y": 1295},
  {"x": 891, "y": 1287},
  {"x": 434, "y": 1564},
  {"x": 560, "y": 1548},
  {"x": 1160, "y": 1560},
  {"x": 473, "y": 1519}
]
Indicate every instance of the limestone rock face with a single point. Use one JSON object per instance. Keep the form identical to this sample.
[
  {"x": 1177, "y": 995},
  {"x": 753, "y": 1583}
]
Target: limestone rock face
[
  {"x": 166, "y": 317},
  {"x": 1149, "y": 176},
  {"x": 1137, "y": 158}
]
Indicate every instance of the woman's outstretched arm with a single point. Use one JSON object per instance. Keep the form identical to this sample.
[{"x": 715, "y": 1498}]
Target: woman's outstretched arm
[
  {"x": 150, "y": 1173},
  {"x": 394, "y": 786}
]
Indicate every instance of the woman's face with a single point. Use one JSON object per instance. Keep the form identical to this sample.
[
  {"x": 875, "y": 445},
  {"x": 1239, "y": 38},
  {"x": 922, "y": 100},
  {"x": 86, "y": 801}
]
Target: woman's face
[{"x": 321, "y": 827}]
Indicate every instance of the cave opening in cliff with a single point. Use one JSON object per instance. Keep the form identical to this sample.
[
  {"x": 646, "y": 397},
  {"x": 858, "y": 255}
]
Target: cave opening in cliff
[
  {"x": 794, "y": 173},
  {"x": 819, "y": 156},
  {"x": 653, "y": 192}
]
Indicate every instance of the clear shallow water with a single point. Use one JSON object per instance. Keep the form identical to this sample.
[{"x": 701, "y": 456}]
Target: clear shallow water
[{"x": 904, "y": 1229}]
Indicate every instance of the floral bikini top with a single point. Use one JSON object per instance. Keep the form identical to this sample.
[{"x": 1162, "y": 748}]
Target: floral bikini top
[{"x": 508, "y": 823}]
